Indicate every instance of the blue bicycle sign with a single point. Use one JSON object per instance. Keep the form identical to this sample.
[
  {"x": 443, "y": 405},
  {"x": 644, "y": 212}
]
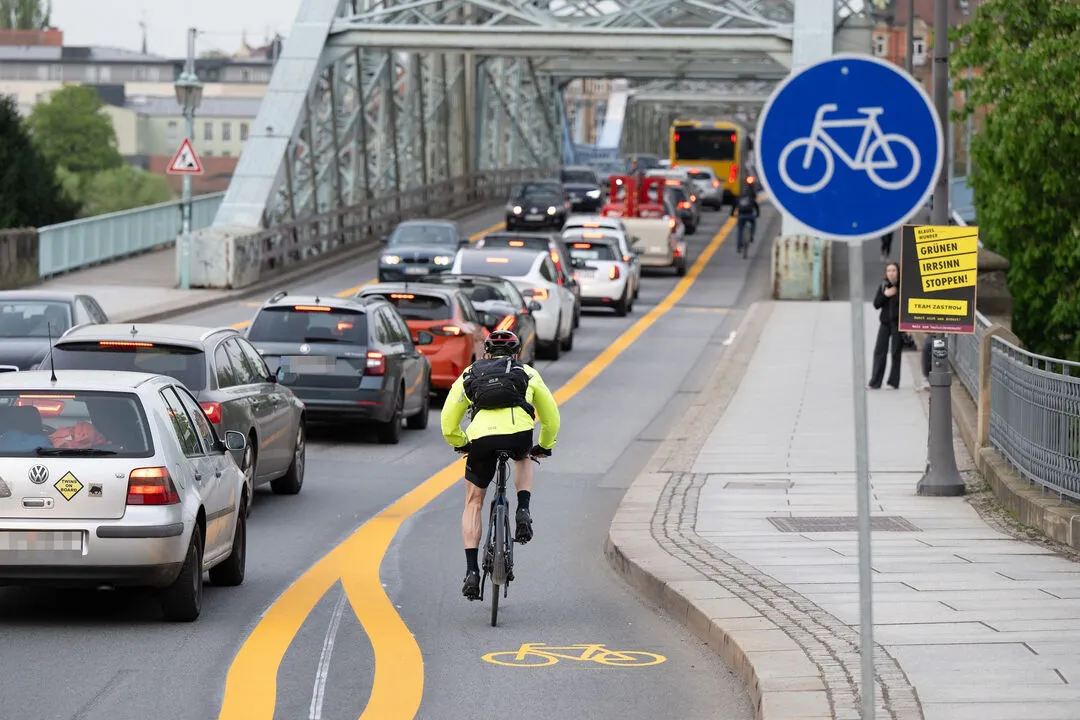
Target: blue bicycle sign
[{"x": 850, "y": 147}]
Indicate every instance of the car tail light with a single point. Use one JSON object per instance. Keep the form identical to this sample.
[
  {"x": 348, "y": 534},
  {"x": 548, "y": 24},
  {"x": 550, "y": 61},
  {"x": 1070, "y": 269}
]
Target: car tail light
[
  {"x": 671, "y": 223},
  {"x": 447, "y": 330},
  {"x": 151, "y": 486},
  {"x": 684, "y": 205},
  {"x": 124, "y": 343},
  {"x": 537, "y": 293},
  {"x": 734, "y": 172},
  {"x": 613, "y": 273},
  {"x": 46, "y": 404},
  {"x": 676, "y": 253},
  {"x": 716, "y": 183},
  {"x": 213, "y": 412},
  {"x": 376, "y": 363},
  {"x": 506, "y": 323},
  {"x": 626, "y": 258}
]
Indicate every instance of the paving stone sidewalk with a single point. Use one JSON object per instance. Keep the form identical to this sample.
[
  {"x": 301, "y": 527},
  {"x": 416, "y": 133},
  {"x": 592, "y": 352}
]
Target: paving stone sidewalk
[{"x": 970, "y": 623}]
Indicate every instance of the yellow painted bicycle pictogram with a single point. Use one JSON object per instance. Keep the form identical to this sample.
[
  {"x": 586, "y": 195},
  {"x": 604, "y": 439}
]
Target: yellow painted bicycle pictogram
[{"x": 542, "y": 655}]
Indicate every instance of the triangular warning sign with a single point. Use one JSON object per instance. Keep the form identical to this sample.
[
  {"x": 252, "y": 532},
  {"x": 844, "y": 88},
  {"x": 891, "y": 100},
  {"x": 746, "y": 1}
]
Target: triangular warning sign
[{"x": 185, "y": 161}]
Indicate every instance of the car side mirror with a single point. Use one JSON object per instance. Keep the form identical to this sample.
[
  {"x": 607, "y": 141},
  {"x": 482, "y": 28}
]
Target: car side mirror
[
  {"x": 271, "y": 378},
  {"x": 463, "y": 242},
  {"x": 534, "y": 306},
  {"x": 423, "y": 337},
  {"x": 637, "y": 250},
  {"x": 634, "y": 240},
  {"x": 235, "y": 440}
]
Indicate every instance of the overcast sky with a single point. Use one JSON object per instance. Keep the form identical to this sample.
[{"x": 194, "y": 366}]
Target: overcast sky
[{"x": 115, "y": 23}]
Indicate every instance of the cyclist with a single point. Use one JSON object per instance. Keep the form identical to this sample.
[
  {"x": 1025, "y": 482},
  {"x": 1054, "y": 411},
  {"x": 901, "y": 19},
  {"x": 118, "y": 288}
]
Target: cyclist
[
  {"x": 505, "y": 397},
  {"x": 746, "y": 207}
]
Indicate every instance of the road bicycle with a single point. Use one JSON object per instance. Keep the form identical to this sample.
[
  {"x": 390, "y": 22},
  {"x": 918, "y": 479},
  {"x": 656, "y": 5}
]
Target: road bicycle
[
  {"x": 498, "y": 561},
  {"x": 746, "y": 236},
  {"x": 872, "y": 142},
  {"x": 541, "y": 655}
]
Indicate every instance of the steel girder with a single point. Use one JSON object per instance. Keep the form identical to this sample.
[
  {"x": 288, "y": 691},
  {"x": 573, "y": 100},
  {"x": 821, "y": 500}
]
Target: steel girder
[{"x": 372, "y": 97}]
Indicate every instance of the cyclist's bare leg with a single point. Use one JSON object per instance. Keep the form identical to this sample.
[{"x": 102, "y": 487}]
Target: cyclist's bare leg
[
  {"x": 470, "y": 534},
  {"x": 523, "y": 475},
  {"x": 523, "y": 482}
]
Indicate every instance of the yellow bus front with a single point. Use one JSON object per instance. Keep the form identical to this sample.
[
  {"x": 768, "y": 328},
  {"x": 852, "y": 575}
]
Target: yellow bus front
[{"x": 718, "y": 146}]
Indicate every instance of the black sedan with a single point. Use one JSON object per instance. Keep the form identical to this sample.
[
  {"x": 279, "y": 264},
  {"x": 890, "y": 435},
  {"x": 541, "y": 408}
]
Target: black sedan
[
  {"x": 28, "y": 317},
  {"x": 500, "y": 306},
  {"x": 420, "y": 247},
  {"x": 583, "y": 187},
  {"x": 537, "y": 205},
  {"x": 347, "y": 359}
]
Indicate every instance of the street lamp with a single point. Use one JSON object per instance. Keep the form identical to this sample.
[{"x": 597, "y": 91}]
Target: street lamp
[{"x": 189, "y": 94}]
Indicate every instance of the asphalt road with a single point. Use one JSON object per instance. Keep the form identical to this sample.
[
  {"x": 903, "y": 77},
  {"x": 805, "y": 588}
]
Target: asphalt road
[{"x": 108, "y": 656}]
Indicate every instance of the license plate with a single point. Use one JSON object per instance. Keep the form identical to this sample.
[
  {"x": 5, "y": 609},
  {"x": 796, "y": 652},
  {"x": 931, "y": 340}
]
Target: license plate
[
  {"x": 534, "y": 217},
  {"x": 416, "y": 271},
  {"x": 303, "y": 365},
  {"x": 586, "y": 274},
  {"x": 41, "y": 540}
]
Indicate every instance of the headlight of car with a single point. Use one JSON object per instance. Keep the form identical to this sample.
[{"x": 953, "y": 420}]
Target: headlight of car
[
  {"x": 516, "y": 209},
  {"x": 391, "y": 259},
  {"x": 443, "y": 260},
  {"x": 593, "y": 194},
  {"x": 552, "y": 210}
]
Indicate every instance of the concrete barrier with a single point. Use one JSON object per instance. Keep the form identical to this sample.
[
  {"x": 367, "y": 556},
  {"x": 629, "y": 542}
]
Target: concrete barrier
[
  {"x": 800, "y": 268},
  {"x": 18, "y": 258}
]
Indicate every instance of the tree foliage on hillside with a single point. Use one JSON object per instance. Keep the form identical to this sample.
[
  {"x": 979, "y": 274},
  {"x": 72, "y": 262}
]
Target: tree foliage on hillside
[
  {"x": 1027, "y": 159},
  {"x": 25, "y": 14},
  {"x": 73, "y": 131},
  {"x": 30, "y": 195}
]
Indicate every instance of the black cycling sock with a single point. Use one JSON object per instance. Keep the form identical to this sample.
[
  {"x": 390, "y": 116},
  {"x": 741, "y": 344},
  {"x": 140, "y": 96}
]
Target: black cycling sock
[
  {"x": 523, "y": 499},
  {"x": 470, "y": 560}
]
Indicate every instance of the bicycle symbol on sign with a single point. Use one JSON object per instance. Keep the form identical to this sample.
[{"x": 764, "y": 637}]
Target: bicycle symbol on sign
[
  {"x": 873, "y": 141},
  {"x": 541, "y": 655}
]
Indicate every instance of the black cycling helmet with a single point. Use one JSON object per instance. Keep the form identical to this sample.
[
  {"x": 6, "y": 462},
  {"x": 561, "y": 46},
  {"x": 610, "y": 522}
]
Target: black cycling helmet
[{"x": 502, "y": 342}]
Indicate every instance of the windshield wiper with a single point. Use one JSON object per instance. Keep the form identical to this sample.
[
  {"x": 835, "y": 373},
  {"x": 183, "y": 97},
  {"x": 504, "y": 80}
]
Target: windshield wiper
[{"x": 73, "y": 452}]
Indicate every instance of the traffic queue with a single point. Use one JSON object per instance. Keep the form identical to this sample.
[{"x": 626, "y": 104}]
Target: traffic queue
[{"x": 130, "y": 453}]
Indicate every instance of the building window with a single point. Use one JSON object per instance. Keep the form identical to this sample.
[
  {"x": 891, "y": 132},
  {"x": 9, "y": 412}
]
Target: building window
[
  {"x": 881, "y": 45},
  {"x": 243, "y": 132},
  {"x": 208, "y": 131},
  {"x": 172, "y": 133},
  {"x": 226, "y": 153},
  {"x": 140, "y": 73},
  {"x": 153, "y": 74},
  {"x": 245, "y": 75},
  {"x": 104, "y": 73},
  {"x": 56, "y": 72},
  {"x": 918, "y": 50},
  {"x": 226, "y": 131},
  {"x": 91, "y": 73}
]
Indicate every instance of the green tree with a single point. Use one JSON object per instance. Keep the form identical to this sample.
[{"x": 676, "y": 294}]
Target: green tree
[
  {"x": 1027, "y": 158},
  {"x": 25, "y": 14},
  {"x": 122, "y": 188},
  {"x": 30, "y": 195},
  {"x": 73, "y": 131}
]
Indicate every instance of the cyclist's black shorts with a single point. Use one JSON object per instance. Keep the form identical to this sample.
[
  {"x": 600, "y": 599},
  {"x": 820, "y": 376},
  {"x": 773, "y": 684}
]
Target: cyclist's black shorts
[{"x": 483, "y": 457}]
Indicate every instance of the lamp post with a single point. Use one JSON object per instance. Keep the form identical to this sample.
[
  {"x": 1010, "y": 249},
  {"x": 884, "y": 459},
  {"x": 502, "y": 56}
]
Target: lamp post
[{"x": 189, "y": 94}]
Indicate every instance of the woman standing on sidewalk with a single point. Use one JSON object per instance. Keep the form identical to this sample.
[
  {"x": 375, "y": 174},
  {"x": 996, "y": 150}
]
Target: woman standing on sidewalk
[{"x": 887, "y": 301}]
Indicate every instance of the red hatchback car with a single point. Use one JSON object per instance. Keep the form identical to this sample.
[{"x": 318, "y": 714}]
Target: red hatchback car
[{"x": 445, "y": 312}]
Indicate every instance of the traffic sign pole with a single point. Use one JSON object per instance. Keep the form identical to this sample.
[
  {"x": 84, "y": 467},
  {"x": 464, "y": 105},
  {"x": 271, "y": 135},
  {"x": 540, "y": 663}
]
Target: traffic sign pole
[{"x": 852, "y": 193}]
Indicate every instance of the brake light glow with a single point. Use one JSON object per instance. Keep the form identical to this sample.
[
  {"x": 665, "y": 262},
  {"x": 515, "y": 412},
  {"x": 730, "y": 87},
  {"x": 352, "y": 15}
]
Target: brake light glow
[
  {"x": 676, "y": 253},
  {"x": 555, "y": 257},
  {"x": 595, "y": 236},
  {"x": 402, "y": 296},
  {"x": 213, "y": 412},
  {"x": 311, "y": 308},
  {"x": 733, "y": 138},
  {"x": 45, "y": 404},
  {"x": 537, "y": 293},
  {"x": 506, "y": 323},
  {"x": 151, "y": 486},
  {"x": 716, "y": 183},
  {"x": 497, "y": 260},
  {"x": 517, "y": 243},
  {"x": 672, "y": 183},
  {"x": 733, "y": 174},
  {"x": 676, "y": 137},
  {"x": 449, "y": 330},
  {"x": 124, "y": 343},
  {"x": 590, "y": 225},
  {"x": 671, "y": 223},
  {"x": 626, "y": 258},
  {"x": 583, "y": 246},
  {"x": 376, "y": 363},
  {"x": 684, "y": 205},
  {"x": 343, "y": 326},
  {"x": 613, "y": 272}
]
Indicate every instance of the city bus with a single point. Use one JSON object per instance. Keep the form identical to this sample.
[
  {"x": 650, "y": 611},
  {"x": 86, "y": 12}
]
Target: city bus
[{"x": 724, "y": 146}]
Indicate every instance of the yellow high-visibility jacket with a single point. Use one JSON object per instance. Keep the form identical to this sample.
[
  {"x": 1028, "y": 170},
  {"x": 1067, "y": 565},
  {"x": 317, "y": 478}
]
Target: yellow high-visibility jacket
[{"x": 503, "y": 421}]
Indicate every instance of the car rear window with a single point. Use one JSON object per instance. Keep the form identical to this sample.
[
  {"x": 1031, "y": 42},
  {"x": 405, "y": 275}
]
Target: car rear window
[
  {"x": 592, "y": 250},
  {"x": 31, "y": 318},
  {"x": 525, "y": 241},
  {"x": 39, "y": 423},
  {"x": 700, "y": 174},
  {"x": 497, "y": 264},
  {"x": 184, "y": 364},
  {"x": 309, "y": 324},
  {"x": 578, "y": 176},
  {"x": 418, "y": 306}
]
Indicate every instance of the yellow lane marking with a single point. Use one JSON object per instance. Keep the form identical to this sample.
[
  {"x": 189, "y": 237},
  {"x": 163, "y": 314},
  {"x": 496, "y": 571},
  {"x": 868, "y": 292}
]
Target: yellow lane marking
[
  {"x": 541, "y": 655},
  {"x": 398, "y": 686},
  {"x": 356, "y": 288}
]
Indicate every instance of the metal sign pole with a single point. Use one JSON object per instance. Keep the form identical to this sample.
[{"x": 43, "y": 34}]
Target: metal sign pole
[{"x": 862, "y": 476}]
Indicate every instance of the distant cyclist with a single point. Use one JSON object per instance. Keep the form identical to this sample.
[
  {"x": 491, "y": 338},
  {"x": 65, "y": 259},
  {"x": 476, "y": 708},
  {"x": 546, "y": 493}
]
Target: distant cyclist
[
  {"x": 505, "y": 398},
  {"x": 748, "y": 211}
]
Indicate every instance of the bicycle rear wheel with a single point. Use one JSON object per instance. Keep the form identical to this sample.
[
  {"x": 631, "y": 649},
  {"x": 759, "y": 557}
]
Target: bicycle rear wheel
[{"x": 498, "y": 562}]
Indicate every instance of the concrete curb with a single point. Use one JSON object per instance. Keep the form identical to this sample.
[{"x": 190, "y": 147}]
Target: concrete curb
[
  {"x": 315, "y": 267},
  {"x": 1024, "y": 501},
  {"x": 782, "y": 681}
]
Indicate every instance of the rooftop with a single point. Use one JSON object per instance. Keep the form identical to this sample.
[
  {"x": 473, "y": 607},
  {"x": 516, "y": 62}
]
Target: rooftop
[
  {"x": 210, "y": 106},
  {"x": 74, "y": 53}
]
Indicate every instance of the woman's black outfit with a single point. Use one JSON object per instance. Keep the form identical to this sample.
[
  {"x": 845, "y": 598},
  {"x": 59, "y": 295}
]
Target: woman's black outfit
[{"x": 888, "y": 335}]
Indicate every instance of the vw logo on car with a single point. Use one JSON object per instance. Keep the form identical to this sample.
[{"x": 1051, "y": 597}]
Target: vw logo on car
[{"x": 39, "y": 474}]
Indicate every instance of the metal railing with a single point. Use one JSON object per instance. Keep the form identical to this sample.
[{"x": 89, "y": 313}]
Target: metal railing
[
  {"x": 104, "y": 238},
  {"x": 1035, "y": 415},
  {"x": 964, "y": 356}
]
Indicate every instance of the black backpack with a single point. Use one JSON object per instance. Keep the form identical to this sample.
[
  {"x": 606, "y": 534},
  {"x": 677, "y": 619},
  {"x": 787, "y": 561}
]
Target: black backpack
[{"x": 494, "y": 383}]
